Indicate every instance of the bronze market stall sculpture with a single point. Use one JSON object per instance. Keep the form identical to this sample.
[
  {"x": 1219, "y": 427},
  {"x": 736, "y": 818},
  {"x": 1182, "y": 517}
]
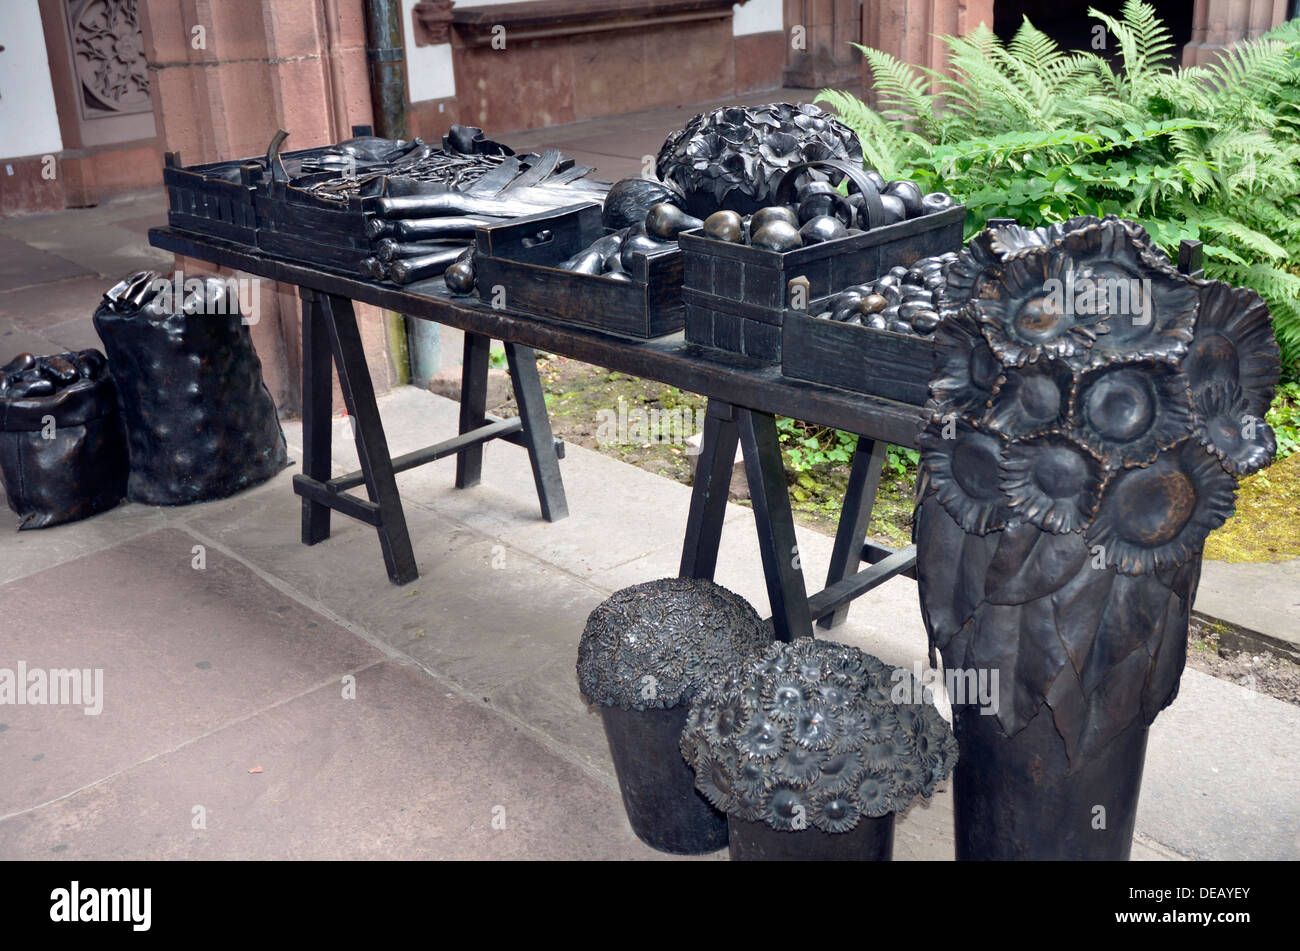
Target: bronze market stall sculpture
[{"x": 1091, "y": 409}]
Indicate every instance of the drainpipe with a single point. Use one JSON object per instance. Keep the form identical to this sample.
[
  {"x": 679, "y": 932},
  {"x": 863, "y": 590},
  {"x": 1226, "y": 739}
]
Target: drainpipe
[
  {"x": 413, "y": 343},
  {"x": 338, "y": 101},
  {"x": 387, "y": 61}
]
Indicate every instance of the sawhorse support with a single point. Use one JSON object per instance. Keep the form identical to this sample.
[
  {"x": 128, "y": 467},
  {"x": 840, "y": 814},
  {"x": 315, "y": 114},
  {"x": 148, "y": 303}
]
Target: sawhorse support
[
  {"x": 330, "y": 337},
  {"x": 793, "y": 611}
]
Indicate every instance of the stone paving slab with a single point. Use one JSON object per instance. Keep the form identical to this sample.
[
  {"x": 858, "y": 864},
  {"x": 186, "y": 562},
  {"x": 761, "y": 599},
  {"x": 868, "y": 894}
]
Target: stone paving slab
[
  {"x": 49, "y": 304},
  {"x": 183, "y": 651},
  {"x": 25, "y": 553},
  {"x": 406, "y": 770},
  {"x": 110, "y": 240},
  {"x": 505, "y": 504},
  {"x": 479, "y": 625},
  {"x": 1259, "y": 597},
  {"x": 1222, "y": 779},
  {"x": 14, "y": 340},
  {"x": 23, "y": 265}
]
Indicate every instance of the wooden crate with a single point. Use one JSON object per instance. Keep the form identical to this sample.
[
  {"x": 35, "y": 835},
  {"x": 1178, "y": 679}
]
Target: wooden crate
[
  {"x": 214, "y": 199},
  {"x": 851, "y": 357},
  {"x": 521, "y": 257},
  {"x": 295, "y": 224},
  {"x": 754, "y": 280},
  {"x": 734, "y": 326}
]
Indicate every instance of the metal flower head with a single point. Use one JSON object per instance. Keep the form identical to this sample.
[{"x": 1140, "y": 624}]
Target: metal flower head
[
  {"x": 827, "y": 763},
  {"x": 1129, "y": 412},
  {"x": 1225, "y": 426},
  {"x": 1089, "y": 383},
  {"x": 1029, "y": 309},
  {"x": 1031, "y": 399},
  {"x": 836, "y": 811},
  {"x": 964, "y": 464},
  {"x": 735, "y": 157},
  {"x": 1158, "y": 516},
  {"x": 1148, "y": 304},
  {"x": 966, "y": 369},
  {"x": 653, "y": 645},
  {"x": 982, "y": 259},
  {"x": 1234, "y": 344},
  {"x": 1052, "y": 482}
]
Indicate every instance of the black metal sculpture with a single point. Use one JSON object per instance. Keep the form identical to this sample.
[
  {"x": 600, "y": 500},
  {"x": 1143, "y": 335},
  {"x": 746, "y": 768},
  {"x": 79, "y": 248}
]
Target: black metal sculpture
[
  {"x": 736, "y": 156},
  {"x": 389, "y": 209},
  {"x": 200, "y": 423},
  {"x": 906, "y": 300},
  {"x": 62, "y": 452},
  {"x": 1089, "y": 410},
  {"x": 820, "y": 736},
  {"x": 645, "y": 652}
]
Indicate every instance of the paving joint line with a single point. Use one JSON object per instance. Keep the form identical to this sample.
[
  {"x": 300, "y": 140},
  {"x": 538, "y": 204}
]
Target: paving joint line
[
  {"x": 544, "y": 739},
  {"x": 330, "y": 682}
]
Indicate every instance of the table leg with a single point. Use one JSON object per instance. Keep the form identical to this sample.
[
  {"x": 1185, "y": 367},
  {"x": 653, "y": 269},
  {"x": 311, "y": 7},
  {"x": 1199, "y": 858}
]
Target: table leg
[
  {"x": 537, "y": 431},
  {"x": 709, "y": 494},
  {"x": 473, "y": 406},
  {"x": 776, "y": 539},
  {"x": 317, "y": 408},
  {"x": 859, "y": 498},
  {"x": 372, "y": 446}
]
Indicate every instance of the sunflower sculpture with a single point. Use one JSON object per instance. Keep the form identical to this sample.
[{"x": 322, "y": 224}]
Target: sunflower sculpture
[
  {"x": 809, "y": 732},
  {"x": 735, "y": 157},
  {"x": 652, "y": 645},
  {"x": 1090, "y": 411}
]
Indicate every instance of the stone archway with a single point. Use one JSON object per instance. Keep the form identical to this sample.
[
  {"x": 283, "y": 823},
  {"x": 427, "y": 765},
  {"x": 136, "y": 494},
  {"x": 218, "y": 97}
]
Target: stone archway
[
  {"x": 103, "y": 97},
  {"x": 1067, "y": 21}
]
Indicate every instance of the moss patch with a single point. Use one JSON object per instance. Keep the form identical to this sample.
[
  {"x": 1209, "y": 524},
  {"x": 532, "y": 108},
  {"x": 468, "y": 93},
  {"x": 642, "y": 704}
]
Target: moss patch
[
  {"x": 1266, "y": 526},
  {"x": 638, "y": 421},
  {"x": 586, "y": 402}
]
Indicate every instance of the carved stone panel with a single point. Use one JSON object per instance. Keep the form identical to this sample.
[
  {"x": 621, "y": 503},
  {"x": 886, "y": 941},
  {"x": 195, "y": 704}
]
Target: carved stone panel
[{"x": 108, "y": 57}]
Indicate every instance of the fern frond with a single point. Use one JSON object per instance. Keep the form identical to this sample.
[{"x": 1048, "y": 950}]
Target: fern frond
[
  {"x": 1249, "y": 70},
  {"x": 885, "y": 145},
  {"x": 1144, "y": 41},
  {"x": 1035, "y": 50},
  {"x": 1250, "y": 239},
  {"x": 901, "y": 89}
]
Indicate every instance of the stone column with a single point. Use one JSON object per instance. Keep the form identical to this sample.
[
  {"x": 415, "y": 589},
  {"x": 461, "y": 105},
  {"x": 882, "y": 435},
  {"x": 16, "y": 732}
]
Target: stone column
[
  {"x": 1217, "y": 24},
  {"x": 225, "y": 75},
  {"x": 828, "y": 26},
  {"x": 911, "y": 31}
]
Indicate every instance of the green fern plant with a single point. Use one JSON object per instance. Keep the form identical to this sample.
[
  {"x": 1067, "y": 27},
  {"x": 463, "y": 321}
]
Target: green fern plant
[{"x": 1030, "y": 131}]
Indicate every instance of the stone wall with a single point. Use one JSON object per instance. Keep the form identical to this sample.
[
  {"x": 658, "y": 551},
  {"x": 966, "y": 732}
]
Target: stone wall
[
  {"x": 1217, "y": 24},
  {"x": 222, "y": 91},
  {"x": 549, "y": 62}
]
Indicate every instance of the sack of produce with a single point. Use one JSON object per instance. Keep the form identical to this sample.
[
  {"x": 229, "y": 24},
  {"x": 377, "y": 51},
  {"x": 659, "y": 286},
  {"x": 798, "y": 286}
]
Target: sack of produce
[
  {"x": 62, "y": 453},
  {"x": 200, "y": 423}
]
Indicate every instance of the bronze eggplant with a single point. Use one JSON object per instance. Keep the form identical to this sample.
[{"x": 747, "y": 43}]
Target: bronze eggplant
[{"x": 406, "y": 270}]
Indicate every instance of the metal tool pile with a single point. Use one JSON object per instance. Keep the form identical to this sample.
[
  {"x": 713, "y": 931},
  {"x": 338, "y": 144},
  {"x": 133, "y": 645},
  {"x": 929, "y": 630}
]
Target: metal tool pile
[{"x": 421, "y": 203}]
